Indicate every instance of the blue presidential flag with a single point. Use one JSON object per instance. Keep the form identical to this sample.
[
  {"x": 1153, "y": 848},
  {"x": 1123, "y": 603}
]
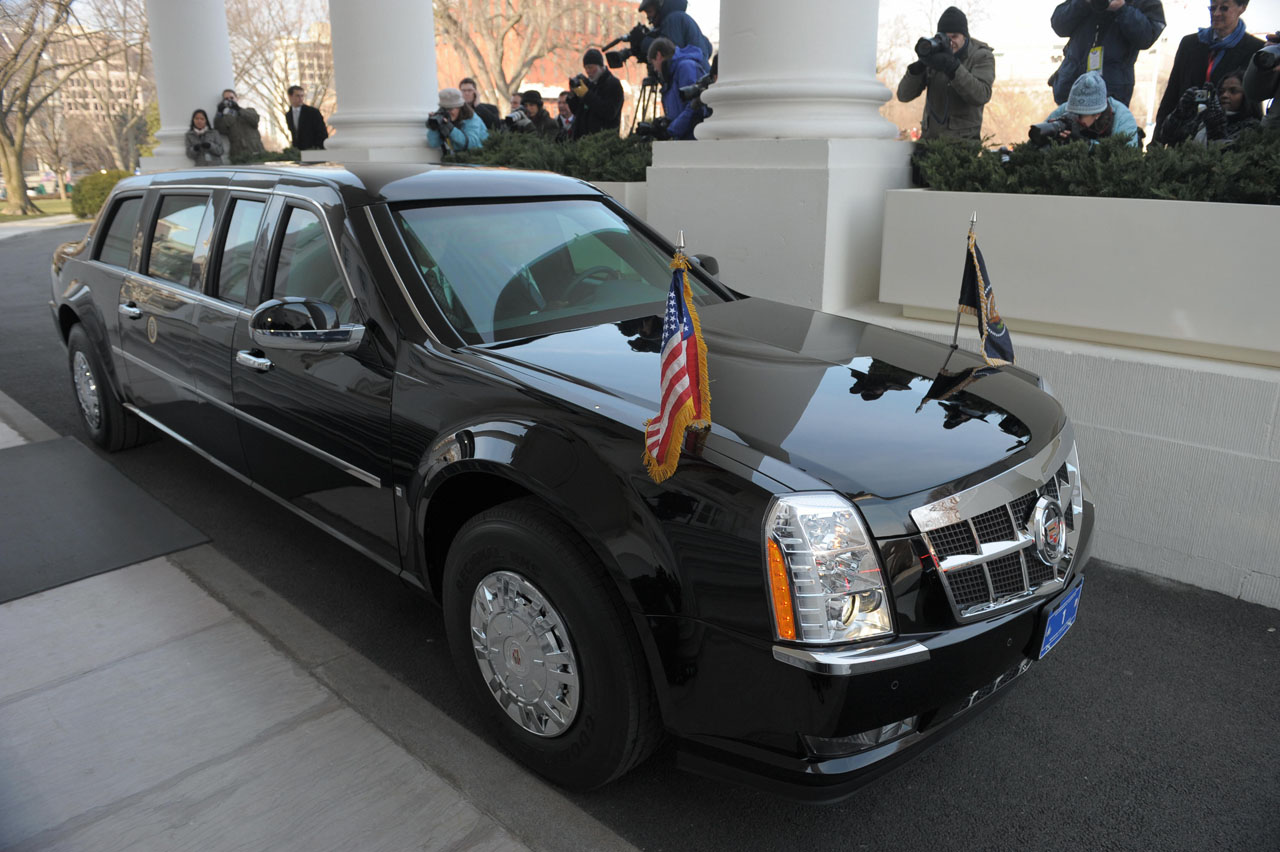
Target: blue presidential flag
[{"x": 977, "y": 298}]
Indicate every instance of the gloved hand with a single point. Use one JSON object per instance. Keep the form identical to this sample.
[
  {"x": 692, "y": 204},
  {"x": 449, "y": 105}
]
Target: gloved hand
[
  {"x": 580, "y": 88},
  {"x": 205, "y": 145},
  {"x": 916, "y": 68},
  {"x": 1187, "y": 103},
  {"x": 1215, "y": 120},
  {"x": 942, "y": 62},
  {"x": 446, "y": 127}
]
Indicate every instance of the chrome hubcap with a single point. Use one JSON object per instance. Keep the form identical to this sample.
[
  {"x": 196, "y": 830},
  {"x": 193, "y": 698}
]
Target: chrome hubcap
[
  {"x": 86, "y": 390},
  {"x": 522, "y": 647}
]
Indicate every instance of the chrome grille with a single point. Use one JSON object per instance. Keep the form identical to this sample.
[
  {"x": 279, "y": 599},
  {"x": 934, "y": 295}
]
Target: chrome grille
[{"x": 982, "y": 540}]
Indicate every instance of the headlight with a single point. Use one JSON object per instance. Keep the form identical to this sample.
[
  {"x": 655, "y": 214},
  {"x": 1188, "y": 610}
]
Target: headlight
[{"x": 824, "y": 575}]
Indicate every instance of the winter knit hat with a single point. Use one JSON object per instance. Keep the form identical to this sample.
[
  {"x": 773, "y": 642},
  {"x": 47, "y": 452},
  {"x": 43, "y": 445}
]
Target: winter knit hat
[
  {"x": 953, "y": 21},
  {"x": 450, "y": 98},
  {"x": 1088, "y": 95},
  {"x": 593, "y": 57},
  {"x": 533, "y": 96}
]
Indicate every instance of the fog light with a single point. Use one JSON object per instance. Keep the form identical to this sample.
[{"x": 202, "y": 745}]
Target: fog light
[{"x": 844, "y": 746}]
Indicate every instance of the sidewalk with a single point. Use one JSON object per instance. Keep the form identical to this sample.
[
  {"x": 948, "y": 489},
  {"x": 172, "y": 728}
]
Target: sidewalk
[
  {"x": 177, "y": 704},
  {"x": 40, "y": 223}
]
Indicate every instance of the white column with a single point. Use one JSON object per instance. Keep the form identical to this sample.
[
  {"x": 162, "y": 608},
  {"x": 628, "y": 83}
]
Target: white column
[
  {"x": 786, "y": 182},
  {"x": 191, "y": 55},
  {"x": 807, "y": 73},
  {"x": 384, "y": 68}
]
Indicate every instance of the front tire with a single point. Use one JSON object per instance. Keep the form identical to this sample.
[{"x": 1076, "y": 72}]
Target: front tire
[
  {"x": 108, "y": 423},
  {"x": 546, "y": 647}
]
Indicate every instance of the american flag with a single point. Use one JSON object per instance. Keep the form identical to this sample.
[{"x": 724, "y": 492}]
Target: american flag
[{"x": 686, "y": 399}]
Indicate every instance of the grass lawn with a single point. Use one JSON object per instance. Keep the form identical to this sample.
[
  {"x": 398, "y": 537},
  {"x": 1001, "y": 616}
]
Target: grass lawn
[{"x": 48, "y": 207}]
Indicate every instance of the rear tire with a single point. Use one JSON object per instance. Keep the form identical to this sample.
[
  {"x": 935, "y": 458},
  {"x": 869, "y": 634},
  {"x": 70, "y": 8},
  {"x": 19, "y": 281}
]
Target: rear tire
[
  {"x": 108, "y": 423},
  {"x": 546, "y": 647}
]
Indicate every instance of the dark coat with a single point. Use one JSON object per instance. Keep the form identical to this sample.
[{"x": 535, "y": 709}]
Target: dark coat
[
  {"x": 600, "y": 108},
  {"x": 240, "y": 128},
  {"x": 1260, "y": 85},
  {"x": 1122, "y": 34},
  {"x": 1190, "y": 64},
  {"x": 954, "y": 104},
  {"x": 489, "y": 115},
  {"x": 676, "y": 24},
  {"x": 311, "y": 133}
]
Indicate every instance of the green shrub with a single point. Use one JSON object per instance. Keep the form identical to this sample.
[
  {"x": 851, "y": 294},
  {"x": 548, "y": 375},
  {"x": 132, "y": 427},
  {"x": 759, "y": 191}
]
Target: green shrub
[
  {"x": 1246, "y": 172},
  {"x": 597, "y": 157},
  {"x": 292, "y": 154},
  {"x": 92, "y": 190}
]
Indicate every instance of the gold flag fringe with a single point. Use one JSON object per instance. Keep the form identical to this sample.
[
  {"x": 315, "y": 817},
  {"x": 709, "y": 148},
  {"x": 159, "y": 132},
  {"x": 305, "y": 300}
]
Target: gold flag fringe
[
  {"x": 987, "y": 305},
  {"x": 684, "y": 418}
]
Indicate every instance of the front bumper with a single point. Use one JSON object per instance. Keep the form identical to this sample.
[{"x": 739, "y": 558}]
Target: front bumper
[{"x": 746, "y": 715}]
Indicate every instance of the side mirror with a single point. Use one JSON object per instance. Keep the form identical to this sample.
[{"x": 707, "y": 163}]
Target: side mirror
[
  {"x": 709, "y": 263},
  {"x": 302, "y": 324}
]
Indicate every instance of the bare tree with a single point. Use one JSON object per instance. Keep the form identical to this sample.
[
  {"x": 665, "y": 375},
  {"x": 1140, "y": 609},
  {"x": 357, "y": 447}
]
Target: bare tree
[
  {"x": 120, "y": 83},
  {"x": 49, "y": 135},
  {"x": 502, "y": 39},
  {"x": 276, "y": 44}
]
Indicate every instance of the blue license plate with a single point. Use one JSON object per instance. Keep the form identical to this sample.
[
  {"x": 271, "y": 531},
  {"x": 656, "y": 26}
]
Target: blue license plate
[{"x": 1060, "y": 621}]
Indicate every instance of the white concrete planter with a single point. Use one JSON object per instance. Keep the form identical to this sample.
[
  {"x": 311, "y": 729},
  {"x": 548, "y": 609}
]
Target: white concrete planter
[
  {"x": 632, "y": 195},
  {"x": 1133, "y": 272}
]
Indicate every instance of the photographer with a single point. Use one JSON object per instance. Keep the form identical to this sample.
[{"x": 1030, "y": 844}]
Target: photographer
[
  {"x": 678, "y": 67},
  {"x": 455, "y": 126},
  {"x": 1205, "y": 116},
  {"x": 531, "y": 117},
  {"x": 668, "y": 19},
  {"x": 595, "y": 97},
  {"x": 204, "y": 144},
  {"x": 239, "y": 126},
  {"x": 1088, "y": 115},
  {"x": 1262, "y": 80},
  {"x": 1205, "y": 55},
  {"x": 958, "y": 73},
  {"x": 1105, "y": 36}
]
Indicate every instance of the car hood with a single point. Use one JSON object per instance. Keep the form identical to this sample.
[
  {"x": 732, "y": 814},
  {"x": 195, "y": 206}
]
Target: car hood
[{"x": 816, "y": 400}]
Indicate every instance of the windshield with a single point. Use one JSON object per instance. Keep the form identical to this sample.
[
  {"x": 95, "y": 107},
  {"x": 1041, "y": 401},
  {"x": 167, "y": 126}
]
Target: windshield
[{"x": 505, "y": 271}]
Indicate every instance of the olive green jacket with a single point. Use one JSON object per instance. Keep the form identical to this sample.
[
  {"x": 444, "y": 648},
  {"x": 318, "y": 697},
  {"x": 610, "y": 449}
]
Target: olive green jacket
[{"x": 953, "y": 105}]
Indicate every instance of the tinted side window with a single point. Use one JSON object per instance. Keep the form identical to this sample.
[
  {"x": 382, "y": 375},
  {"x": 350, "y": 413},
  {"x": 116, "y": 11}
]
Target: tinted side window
[
  {"x": 306, "y": 266},
  {"x": 117, "y": 243},
  {"x": 237, "y": 249},
  {"x": 173, "y": 242}
]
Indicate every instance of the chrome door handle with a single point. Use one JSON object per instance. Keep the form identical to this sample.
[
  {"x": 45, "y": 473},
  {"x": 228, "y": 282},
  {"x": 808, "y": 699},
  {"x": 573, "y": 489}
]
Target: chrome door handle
[
  {"x": 130, "y": 310},
  {"x": 253, "y": 362}
]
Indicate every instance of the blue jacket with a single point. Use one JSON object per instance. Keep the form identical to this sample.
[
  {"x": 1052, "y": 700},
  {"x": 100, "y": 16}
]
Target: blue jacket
[
  {"x": 1122, "y": 35},
  {"x": 464, "y": 136},
  {"x": 1123, "y": 124},
  {"x": 674, "y": 23},
  {"x": 683, "y": 69}
]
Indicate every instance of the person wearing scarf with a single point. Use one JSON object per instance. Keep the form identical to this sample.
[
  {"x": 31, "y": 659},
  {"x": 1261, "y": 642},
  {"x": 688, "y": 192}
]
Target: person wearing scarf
[
  {"x": 1204, "y": 57},
  {"x": 1224, "y": 117},
  {"x": 1097, "y": 115}
]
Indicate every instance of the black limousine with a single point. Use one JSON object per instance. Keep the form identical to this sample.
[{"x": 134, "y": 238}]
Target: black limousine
[{"x": 449, "y": 369}]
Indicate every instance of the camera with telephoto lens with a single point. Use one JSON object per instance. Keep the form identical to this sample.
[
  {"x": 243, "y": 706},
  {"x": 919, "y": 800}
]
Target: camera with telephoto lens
[
  {"x": 518, "y": 120},
  {"x": 929, "y": 46},
  {"x": 689, "y": 93},
  {"x": 1268, "y": 57},
  {"x": 578, "y": 80},
  {"x": 633, "y": 50},
  {"x": 436, "y": 120},
  {"x": 656, "y": 129},
  {"x": 1047, "y": 132}
]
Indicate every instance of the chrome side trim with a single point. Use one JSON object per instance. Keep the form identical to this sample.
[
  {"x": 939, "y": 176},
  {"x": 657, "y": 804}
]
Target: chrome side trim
[
  {"x": 999, "y": 490},
  {"x": 186, "y": 293},
  {"x": 342, "y": 537},
  {"x": 395, "y": 273},
  {"x": 346, "y": 467},
  {"x": 854, "y": 662}
]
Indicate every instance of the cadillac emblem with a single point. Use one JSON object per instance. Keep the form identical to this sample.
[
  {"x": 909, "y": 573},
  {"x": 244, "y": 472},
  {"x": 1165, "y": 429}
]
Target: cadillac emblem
[
  {"x": 1050, "y": 528},
  {"x": 152, "y": 331}
]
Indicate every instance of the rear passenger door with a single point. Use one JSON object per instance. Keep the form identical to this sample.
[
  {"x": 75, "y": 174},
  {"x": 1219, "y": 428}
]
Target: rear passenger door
[
  {"x": 316, "y": 426},
  {"x": 158, "y": 307}
]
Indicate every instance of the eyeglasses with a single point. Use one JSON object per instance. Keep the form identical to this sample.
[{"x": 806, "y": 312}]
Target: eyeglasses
[{"x": 1222, "y": 8}]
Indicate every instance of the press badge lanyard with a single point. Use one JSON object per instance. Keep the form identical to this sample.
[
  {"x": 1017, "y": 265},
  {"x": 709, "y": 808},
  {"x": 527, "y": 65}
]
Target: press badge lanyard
[{"x": 1094, "y": 61}]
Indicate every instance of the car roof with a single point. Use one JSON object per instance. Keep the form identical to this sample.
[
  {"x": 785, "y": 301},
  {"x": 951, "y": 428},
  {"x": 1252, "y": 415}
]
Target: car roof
[{"x": 371, "y": 183}]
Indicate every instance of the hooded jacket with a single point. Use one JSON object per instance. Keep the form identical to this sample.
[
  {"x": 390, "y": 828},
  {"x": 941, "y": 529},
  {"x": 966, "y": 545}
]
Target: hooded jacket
[
  {"x": 685, "y": 68},
  {"x": 1122, "y": 35},
  {"x": 675, "y": 23},
  {"x": 954, "y": 104}
]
